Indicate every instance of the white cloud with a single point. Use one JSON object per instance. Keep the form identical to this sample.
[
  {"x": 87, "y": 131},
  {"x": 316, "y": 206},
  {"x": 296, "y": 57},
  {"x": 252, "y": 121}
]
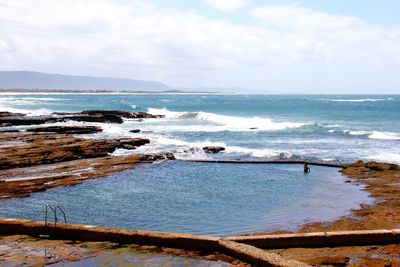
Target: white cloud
[
  {"x": 288, "y": 47},
  {"x": 289, "y": 17},
  {"x": 227, "y": 5}
]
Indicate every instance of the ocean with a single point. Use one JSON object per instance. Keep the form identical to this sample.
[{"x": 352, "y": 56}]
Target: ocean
[
  {"x": 326, "y": 128},
  {"x": 223, "y": 199}
]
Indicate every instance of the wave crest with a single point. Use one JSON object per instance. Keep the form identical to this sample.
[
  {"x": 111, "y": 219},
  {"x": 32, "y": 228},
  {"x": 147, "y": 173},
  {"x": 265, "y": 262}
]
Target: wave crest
[
  {"x": 358, "y": 100},
  {"x": 229, "y": 123},
  {"x": 375, "y": 134}
]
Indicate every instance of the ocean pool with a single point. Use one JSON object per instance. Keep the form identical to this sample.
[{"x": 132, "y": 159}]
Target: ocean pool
[{"x": 201, "y": 198}]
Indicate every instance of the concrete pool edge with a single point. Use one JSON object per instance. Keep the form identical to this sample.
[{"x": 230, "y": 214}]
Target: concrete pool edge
[
  {"x": 246, "y": 248},
  {"x": 81, "y": 232}
]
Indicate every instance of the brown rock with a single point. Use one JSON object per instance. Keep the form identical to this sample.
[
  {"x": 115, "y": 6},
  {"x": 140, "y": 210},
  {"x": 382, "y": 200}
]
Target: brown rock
[
  {"x": 135, "y": 131},
  {"x": 363, "y": 168},
  {"x": 376, "y": 166},
  {"x": 103, "y": 116},
  {"x": 108, "y": 118},
  {"x": 132, "y": 143},
  {"x": 29, "y": 149},
  {"x": 67, "y": 129}
]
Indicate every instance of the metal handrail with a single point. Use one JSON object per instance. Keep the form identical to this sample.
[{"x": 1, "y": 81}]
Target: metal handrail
[
  {"x": 65, "y": 217},
  {"x": 54, "y": 210}
]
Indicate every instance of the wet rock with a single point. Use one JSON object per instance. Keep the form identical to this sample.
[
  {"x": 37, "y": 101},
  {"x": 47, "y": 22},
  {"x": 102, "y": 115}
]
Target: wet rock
[
  {"x": 213, "y": 149},
  {"x": 21, "y": 182},
  {"x": 119, "y": 113},
  {"x": 376, "y": 166},
  {"x": 135, "y": 131},
  {"x": 10, "y": 131},
  {"x": 360, "y": 167},
  {"x": 20, "y": 119},
  {"x": 145, "y": 115},
  {"x": 330, "y": 261},
  {"x": 102, "y": 116},
  {"x": 158, "y": 156},
  {"x": 108, "y": 118},
  {"x": 67, "y": 129},
  {"x": 8, "y": 114},
  {"x": 132, "y": 143},
  {"x": 30, "y": 149}
]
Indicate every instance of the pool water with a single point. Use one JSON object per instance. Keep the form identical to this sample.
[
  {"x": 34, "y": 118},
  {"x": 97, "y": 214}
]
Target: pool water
[{"x": 201, "y": 198}]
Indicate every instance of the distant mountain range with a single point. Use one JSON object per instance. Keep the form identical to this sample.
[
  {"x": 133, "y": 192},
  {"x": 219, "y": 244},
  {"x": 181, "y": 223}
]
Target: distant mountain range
[{"x": 44, "y": 81}]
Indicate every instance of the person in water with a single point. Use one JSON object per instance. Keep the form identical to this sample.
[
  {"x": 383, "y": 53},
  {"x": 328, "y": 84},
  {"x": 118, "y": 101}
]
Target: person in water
[{"x": 306, "y": 168}]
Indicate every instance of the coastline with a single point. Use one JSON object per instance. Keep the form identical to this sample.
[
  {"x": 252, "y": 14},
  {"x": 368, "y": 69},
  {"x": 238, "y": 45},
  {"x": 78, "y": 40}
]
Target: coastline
[
  {"x": 37, "y": 149},
  {"x": 106, "y": 92},
  {"x": 382, "y": 182},
  {"x": 35, "y": 152}
]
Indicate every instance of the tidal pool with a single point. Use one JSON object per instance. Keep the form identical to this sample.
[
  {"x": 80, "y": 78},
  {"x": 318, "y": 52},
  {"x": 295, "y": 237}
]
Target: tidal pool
[{"x": 201, "y": 198}]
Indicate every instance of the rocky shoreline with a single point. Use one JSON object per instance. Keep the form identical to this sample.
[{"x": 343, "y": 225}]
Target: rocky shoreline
[
  {"x": 48, "y": 156},
  {"x": 45, "y": 157},
  {"x": 8, "y": 119},
  {"x": 382, "y": 181}
]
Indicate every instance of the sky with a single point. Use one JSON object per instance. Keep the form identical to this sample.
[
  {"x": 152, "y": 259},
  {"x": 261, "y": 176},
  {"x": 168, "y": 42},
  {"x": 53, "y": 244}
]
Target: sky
[{"x": 276, "y": 46}]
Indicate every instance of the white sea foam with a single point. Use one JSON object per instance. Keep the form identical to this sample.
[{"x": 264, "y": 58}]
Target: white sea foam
[
  {"x": 12, "y": 104},
  {"x": 167, "y": 113},
  {"x": 229, "y": 123},
  {"x": 27, "y": 101},
  {"x": 28, "y": 112},
  {"x": 384, "y": 136},
  {"x": 375, "y": 134},
  {"x": 358, "y": 100},
  {"x": 357, "y": 133},
  {"x": 133, "y": 106},
  {"x": 384, "y": 156},
  {"x": 194, "y": 150}
]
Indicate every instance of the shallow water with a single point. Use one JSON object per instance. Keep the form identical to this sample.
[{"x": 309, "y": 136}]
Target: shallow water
[{"x": 201, "y": 198}]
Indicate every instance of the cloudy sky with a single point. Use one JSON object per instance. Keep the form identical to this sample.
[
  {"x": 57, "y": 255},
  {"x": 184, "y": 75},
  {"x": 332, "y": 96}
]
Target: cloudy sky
[{"x": 281, "y": 46}]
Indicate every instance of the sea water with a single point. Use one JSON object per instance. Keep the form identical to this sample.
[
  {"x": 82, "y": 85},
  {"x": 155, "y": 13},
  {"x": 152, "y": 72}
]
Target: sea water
[
  {"x": 222, "y": 199},
  {"x": 201, "y": 198},
  {"x": 328, "y": 128}
]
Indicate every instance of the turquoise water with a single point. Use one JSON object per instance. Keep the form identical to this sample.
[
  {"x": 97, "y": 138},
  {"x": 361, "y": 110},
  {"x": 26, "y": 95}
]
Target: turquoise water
[
  {"x": 223, "y": 199},
  {"x": 201, "y": 198},
  {"x": 330, "y": 128}
]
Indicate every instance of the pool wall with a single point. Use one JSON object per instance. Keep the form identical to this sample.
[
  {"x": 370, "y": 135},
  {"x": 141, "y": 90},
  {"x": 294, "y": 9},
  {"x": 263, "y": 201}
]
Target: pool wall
[
  {"x": 247, "y": 248},
  {"x": 183, "y": 241}
]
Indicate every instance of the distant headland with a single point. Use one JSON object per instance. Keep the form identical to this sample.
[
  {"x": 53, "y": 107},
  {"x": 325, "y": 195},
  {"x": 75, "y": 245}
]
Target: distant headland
[{"x": 38, "y": 82}]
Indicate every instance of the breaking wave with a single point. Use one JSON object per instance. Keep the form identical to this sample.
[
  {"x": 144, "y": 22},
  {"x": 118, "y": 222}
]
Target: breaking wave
[
  {"x": 358, "y": 100},
  {"x": 28, "y": 112},
  {"x": 229, "y": 123},
  {"x": 375, "y": 134}
]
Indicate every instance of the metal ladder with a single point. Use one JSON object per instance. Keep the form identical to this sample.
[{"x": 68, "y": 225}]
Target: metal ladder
[{"x": 54, "y": 210}]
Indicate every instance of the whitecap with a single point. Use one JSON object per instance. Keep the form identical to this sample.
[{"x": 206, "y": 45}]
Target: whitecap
[
  {"x": 356, "y": 133},
  {"x": 229, "y": 123},
  {"x": 384, "y": 136},
  {"x": 375, "y": 134},
  {"x": 384, "y": 156},
  {"x": 357, "y": 100}
]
